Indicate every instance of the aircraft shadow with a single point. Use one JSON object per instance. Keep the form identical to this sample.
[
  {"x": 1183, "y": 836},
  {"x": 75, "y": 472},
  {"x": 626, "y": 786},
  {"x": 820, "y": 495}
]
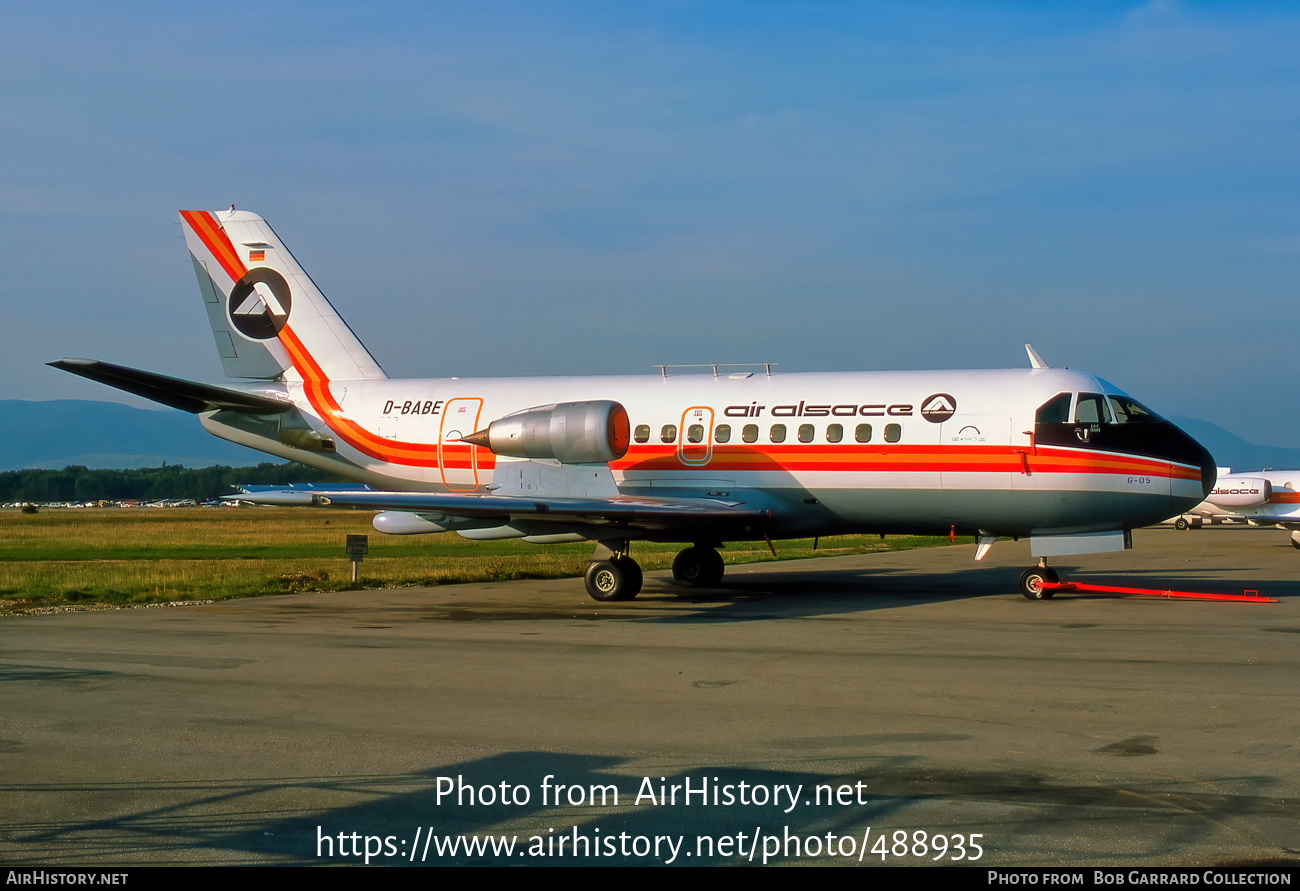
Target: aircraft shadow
[{"x": 763, "y": 596}]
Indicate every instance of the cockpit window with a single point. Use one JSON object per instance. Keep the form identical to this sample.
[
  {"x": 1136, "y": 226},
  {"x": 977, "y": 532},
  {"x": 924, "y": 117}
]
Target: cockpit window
[
  {"x": 1130, "y": 411},
  {"x": 1091, "y": 409},
  {"x": 1056, "y": 410}
]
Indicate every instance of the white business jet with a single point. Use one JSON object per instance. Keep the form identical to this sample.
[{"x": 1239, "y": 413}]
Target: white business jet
[
  {"x": 1258, "y": 497},
  {"x": 737, "y": 453}
]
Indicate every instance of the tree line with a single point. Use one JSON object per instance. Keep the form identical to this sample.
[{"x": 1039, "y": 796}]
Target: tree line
[{"x": 77, "y": 483}]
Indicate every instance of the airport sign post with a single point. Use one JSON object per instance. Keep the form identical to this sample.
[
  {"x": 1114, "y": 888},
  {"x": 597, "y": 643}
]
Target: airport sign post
[{"x": 358, "y": 546}]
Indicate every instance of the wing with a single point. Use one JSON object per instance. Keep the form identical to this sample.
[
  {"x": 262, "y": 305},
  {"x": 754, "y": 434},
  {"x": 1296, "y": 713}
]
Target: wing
[
  {"x": 1286, "y": 521},
  {"x": 604, "y": 515}
]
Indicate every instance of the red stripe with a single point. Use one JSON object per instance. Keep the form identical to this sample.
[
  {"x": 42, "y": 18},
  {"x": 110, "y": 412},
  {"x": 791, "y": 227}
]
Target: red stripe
[
  {"x": 216, "y": 241},
  {"x": 412, "y": 454},
  {"x": 893, "y": 458}
]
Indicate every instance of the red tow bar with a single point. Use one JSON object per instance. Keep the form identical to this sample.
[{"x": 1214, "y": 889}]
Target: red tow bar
[{"x": 1249, "y": 596}]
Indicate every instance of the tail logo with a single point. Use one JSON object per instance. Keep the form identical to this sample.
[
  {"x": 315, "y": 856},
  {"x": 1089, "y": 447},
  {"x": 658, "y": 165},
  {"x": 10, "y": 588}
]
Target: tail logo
[{"x": 259, "y": 303}]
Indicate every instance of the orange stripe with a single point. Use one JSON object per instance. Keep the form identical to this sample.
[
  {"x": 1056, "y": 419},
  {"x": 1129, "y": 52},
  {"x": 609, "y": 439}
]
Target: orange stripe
[
  {"x": 411, "y": 454},
  {"x": 216, "y": 241},
  {"x": 316, "y": 384}
]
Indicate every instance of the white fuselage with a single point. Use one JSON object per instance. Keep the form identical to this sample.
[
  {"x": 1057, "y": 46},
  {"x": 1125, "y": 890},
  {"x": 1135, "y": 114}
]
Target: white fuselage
[{"x": 926, "y": 451}]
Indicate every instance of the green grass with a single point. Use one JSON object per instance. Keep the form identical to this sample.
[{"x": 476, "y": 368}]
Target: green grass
[{"x": 116, "y": 556}]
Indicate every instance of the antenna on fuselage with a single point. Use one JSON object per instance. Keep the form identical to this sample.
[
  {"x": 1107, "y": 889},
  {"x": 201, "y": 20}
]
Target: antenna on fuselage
[{"x": 1035, "y": 360}]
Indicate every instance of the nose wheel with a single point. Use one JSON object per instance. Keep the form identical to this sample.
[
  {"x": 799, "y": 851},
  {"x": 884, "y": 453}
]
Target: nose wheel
[{"x": 1031, "y": 582}]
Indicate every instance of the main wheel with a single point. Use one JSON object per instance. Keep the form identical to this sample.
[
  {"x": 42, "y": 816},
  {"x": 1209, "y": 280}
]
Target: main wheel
[
  {"x": 698, "y": 568},
  {"x": 1181, "y": 523},
  {"x": 617, "y": 579},
  {"x": 1031, "y": 582},
  {"x": 632, "y": 571}
]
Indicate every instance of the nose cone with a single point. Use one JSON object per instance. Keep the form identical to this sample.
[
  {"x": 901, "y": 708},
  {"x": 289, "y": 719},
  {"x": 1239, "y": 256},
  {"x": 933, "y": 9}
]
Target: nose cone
[
  {"x": 1183, "y": 449},
  {"x": 1209, "y": 472}
]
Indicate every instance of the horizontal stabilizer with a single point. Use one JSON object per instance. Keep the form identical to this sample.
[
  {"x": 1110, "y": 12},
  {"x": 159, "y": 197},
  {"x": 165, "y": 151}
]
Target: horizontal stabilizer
[{"x": 171, "y": 391}]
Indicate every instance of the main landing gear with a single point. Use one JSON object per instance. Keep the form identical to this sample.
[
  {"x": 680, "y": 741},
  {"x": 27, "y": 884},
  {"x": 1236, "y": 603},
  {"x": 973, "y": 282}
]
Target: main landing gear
[
  {"x": 1031, "y": 581},
  {"x": 613, "y": 575},
  {"x": 698, "y": 567},
  {"x": 615, "y": 579}
]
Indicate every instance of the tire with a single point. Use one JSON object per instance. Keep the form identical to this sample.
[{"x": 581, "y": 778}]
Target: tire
[
  {"x": 1181, "y": 523},
  {"x": 618, "y": 579},
  {"x": 698, "y": 568},
  {"x": 632, "y": 570},
  {"x": 1031, "y": 582}
]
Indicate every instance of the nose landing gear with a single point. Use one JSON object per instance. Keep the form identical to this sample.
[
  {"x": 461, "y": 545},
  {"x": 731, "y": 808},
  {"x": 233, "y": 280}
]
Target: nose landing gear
[{"x": 1031, "y": 581}]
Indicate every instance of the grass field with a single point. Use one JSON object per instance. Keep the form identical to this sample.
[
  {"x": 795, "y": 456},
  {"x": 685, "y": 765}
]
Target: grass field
[{"x": 116, "y": 556}]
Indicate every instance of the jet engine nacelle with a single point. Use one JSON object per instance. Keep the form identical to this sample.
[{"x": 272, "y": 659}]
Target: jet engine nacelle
[
  {"x": 1241, "y": 491},
  {"x": 594, "y": 432}
]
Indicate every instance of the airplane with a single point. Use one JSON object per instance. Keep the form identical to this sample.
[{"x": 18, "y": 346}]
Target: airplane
[
  {"x": 1258, "y": 497},
  {"x": 1061, "y": 457}
]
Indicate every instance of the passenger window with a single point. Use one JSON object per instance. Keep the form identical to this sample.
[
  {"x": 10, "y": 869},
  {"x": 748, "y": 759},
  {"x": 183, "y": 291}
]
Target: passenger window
[
  {"x": 694, "y": 433},
  {"x": 805, "y": 432},
  {"x": 862, "y": 433},
  {"x": 778, "y": 433},
  {"x": 1091, "y": 409},
  {"x": 1055, "y": 410},
  {"x": 669, "y": 433},
  {"x": 893, "y": 432},
  {"x": 835, "y": 432},
  {"x": 642, "y": 433},
  {"x": 722, "y": 433},
  {"x": 749, "y": 433}
]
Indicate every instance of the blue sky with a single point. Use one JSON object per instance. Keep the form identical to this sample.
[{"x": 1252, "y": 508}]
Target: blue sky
[{"x": 533, "y": 188}]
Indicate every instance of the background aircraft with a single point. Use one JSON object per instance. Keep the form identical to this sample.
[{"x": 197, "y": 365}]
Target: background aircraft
[
  {"x": 1260, "y": 498},
  {"x": 1059, "y": 456}
]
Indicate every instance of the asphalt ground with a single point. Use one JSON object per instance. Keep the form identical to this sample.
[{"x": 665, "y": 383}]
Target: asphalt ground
[{"x": 916, "y": 689}]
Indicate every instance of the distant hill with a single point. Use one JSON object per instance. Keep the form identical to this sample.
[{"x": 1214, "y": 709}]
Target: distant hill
[
  {"x": 1230, "y": 450},
  {"x": 60, "y": 432}
]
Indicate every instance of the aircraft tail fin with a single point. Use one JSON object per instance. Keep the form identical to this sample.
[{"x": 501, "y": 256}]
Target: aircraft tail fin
[{"x": 268, "y": 318}]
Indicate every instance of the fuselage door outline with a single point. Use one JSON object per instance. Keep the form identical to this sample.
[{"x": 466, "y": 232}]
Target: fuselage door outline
[
  {"x": 459, "y": 418},
  {"x": 697, "y": 453}
]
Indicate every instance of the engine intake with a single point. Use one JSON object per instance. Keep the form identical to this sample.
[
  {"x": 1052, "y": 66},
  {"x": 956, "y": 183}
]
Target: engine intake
[{"x": 595, "y": 432}]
